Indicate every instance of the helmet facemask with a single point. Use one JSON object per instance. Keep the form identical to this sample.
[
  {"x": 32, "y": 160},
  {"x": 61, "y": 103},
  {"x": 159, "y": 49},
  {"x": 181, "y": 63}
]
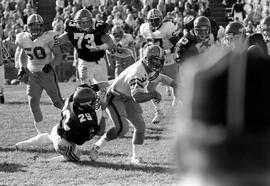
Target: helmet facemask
[
  {"x": 265, "y": 30},
  {"x": 84, "y": 24},
  {"x": 118, "y": 36},
  {"x": 202, "y": 33},
  {"x": 155, "y": 22},
  {"x": 35, "y": 29}
]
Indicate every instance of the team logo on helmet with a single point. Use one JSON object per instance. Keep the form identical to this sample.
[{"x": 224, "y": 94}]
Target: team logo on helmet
[
  {"x": 153, "y": 58},
  {"x": 202, "y": 28},
  {"x": 117, "y": 32},
  {"x": 35, "y": 25},
  {"x": 155, "y": 18},
  {"x": 84, "y": 20},
  {"x": 86, "y": 98}
]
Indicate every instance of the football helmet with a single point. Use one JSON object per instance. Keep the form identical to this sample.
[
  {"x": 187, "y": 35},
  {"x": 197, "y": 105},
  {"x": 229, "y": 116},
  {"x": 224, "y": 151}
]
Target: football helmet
[
  {"x": 35, "y": 25},
  {"x": 153, "y": 58},
  {"x": 154, "y": 18},
  {"x": 86, "y": 98},
  {"x": 117, "y": 32},
  {"x": 84, "y": 20},
  {"x": 234, "y": 34},
  {"x": 265, "y": 28},
  {"x": 202, "y": 28}
]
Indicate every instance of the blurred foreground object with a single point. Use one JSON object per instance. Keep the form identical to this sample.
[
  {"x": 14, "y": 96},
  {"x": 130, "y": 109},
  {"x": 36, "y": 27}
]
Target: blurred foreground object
[{"x": 224, "y": 138}]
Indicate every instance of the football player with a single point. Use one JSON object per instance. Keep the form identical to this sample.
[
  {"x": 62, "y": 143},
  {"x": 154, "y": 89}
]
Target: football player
[
  {"x": 39, "y": 52},
  {"x": 90, "y": 41},
  {"x": 123, "y": 54},
  {"x": 235, "y": 35},
  {"x": 124, "y": 96},
  {"x": 196, "y": 41},
  {"x": 265, "y": 30},
  {"x": 161, "y": 33},
  {"x": 79, "y": 123}
]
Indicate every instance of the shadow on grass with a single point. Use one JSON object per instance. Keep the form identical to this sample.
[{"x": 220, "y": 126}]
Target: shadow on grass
[
  {"x": 25, "y": 103},
  {"x": 11, "y": 167},
  {"x": 150, "y": 168},
  {"x": 146, "y": 137}
]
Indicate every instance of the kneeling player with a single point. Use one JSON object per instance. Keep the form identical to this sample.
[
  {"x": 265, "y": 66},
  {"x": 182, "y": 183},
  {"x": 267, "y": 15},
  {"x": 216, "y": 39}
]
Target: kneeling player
[{"x": 78, "y": 124}]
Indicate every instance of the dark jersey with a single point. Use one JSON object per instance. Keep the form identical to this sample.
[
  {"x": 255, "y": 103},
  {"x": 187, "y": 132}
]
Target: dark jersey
[
  {"x": 78, "y": 125},
  {"x": 189, "y": 46},
  {"x": 84, "y": 41}
]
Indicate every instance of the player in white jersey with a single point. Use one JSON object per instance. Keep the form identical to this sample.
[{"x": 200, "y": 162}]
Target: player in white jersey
[
  {"x": 123, "y": 54},
  {"x": 39, "y": 51},
  {"x": 124, "y": 96},
  {"x": 160, "y": 33}
]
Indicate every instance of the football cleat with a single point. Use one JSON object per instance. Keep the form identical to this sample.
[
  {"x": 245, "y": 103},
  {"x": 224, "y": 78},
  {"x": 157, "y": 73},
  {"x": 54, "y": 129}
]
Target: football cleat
[
  {"x": 137, "y": 161},
  {"x": 158, "y": 117},
  {"x": 93, "y": 154}
]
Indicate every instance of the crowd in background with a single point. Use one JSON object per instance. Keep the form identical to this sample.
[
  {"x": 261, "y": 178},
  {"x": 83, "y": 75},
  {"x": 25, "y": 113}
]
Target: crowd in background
[{"x": 130, "y": 14}]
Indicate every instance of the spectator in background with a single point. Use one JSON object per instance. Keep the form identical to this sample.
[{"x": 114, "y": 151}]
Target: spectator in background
[
  {"x": 60, "y": 5},
  {"x": 27, "y": 12},
  {"x": 129, "y": 24},
  {"x": 9, "y": 43},
  {"x": 117, "y": 19},
  {"x": 238, "y": 10},
  {"x": 18, "y": 20},
  {"x": 162, "y": 7},
  {"x": 109, "y": 21}
]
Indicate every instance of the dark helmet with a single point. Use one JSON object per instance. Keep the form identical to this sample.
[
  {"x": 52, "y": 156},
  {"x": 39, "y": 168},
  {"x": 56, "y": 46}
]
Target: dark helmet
[
  {"x": 84, "y": 19},
  {"x": 86, "y": 98},
  {"x": 202, "y": 27}
]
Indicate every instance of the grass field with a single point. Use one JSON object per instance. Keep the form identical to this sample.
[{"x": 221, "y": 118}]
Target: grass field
[{"x": 31, "y": 166}]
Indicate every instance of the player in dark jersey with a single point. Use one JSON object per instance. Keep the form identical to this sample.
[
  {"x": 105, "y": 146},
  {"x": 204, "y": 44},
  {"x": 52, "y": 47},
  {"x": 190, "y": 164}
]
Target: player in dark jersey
[
  {"x": 79, "y": 123},
  {"x": 90, "y": 41},
  {"x": 196, "y": 40}
]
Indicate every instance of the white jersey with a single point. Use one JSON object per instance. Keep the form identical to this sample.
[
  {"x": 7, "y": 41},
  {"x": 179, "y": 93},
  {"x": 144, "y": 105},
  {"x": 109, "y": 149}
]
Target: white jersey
[
  {"x": 39, "y": 51},
  {"x": 132, "y": 80},
  {"x": 160, "y": 37}
]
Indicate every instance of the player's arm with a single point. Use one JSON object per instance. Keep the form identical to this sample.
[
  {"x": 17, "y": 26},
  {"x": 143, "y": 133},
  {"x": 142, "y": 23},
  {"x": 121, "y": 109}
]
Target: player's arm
[
  {"x": 138, "y": 92},
  {"x": 22, "y": 57},
  {"x": 107, "y": 42},
  {"x": 64, "y": 39},
  {"x": 57, "y": 52}
]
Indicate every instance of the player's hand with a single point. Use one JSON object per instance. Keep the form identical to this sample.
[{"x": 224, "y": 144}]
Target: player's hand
[
  {"x": 23, "y": 75},
  {"x": 47, "y": 68},
  {"x": 94, "y": 49},
  {"x": 156, "y": 96}
]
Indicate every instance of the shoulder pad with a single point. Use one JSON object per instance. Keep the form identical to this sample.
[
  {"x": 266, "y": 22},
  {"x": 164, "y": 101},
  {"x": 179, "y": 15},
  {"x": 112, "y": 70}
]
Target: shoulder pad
[
  {"x": 101, "y": 27},
  {"x": 19, "y": 38},
  {"x": 70, "y": 26},
  {"x": 183, "y": 41}
]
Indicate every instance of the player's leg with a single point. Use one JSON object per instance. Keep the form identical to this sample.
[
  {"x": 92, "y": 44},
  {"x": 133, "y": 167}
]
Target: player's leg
[
  {"x": 69, "y": 151},
  {"x": 2, "y": 82},
  {"x": 99, "y": 73},
  {"x": 84, "y": 68},
  {"x": 172, "y": 71},
  {"x": 39, "y": 140},
  {"x": 117, "y": 113},
  {"x": 34, "y": 91},
  {"x": 134, "y": 112},
  {"x": 158, "y": 111},
  {"x": 49, "y": 82}
]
